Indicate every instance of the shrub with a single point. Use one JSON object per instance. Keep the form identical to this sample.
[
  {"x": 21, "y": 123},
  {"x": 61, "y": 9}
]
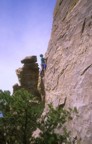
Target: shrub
[
  {"x": 21, "y": 111},
  {"x": 22, "y": 116},
  {"x": 55, "y": 119}
]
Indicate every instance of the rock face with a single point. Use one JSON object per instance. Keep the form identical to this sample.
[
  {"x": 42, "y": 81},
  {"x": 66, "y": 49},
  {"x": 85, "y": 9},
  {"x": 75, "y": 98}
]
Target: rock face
[
  {"x": 28, "y": 75},
  {"x": 69, "y": 63}
]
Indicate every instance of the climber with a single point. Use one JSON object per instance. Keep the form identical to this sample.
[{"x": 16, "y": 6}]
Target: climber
[{"x": 43, "y": 64}]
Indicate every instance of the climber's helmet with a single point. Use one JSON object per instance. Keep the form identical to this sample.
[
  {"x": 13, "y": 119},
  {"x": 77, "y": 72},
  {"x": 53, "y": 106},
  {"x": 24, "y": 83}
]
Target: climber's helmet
[{"x": 41, "y": 55}]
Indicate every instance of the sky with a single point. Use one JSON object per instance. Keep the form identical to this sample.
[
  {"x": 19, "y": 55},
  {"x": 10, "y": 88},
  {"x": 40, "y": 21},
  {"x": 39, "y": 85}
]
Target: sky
[{"x": 25, "y": 29}]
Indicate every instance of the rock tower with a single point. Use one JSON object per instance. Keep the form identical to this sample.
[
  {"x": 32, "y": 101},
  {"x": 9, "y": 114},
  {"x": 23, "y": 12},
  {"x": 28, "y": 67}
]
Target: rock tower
[{"x": 28, "y": 75}]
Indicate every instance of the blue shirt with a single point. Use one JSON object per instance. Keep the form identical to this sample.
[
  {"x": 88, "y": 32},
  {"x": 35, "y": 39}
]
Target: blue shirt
[{"x": 42, "y": 60}]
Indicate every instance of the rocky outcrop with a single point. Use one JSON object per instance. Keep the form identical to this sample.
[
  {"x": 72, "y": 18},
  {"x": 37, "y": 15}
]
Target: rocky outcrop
[
  {"x": 28, "y": 75},
  {"x": 69, "y": 63}
]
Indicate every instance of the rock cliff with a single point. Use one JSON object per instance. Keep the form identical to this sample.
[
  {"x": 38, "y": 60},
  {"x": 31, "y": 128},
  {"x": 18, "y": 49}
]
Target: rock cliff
[
  {"x": 69, "y": 63},
  {"x": 28, "y": 75}
]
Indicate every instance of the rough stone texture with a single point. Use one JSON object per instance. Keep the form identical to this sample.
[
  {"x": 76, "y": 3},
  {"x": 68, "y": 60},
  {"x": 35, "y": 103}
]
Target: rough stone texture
[
  {"x": 69, "y": 63},
  {"x": 41, "y": 88},
  {"x": 29, "y": 59},
  {"x": 28, "y": 75}
]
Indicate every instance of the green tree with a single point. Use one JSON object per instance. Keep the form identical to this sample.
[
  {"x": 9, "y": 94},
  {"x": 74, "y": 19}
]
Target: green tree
[
  {"x": 21, "y": 111},
  {"x": 22, "y": 115}
]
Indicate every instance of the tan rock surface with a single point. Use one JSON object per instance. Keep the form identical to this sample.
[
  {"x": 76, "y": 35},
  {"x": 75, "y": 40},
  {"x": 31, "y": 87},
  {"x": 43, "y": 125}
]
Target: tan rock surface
[
  {"x": 28, "y": 75},
  {"x": 69, "y": 63}
]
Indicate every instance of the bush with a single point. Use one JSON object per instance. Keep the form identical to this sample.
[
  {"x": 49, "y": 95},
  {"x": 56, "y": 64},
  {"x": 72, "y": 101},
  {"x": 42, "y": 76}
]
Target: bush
[
  {"x": 55, "y": 119},
  {"x": 21, "y": 111},
  {"x": 22, "y": 115}
]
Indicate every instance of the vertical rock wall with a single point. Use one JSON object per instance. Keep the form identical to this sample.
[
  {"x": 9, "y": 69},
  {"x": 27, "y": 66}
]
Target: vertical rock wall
[{"x": 69, "y": 63}]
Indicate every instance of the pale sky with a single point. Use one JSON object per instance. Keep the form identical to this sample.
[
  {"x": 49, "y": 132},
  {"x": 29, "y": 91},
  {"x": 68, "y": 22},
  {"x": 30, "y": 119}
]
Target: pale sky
[{"x": 25, "y": 28}]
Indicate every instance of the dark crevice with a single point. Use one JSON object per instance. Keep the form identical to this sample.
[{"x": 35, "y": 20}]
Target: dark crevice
[
  {"x": 60, "y": 2},
  {"x": 42, "y": 91},
  {"x": 65, "y": 16},
  {"x": 86, "y": 69},
  {"x": 63, "y": 104},
  {"x": 83, "y": 26},
  {"x": 90, "y": 23}
]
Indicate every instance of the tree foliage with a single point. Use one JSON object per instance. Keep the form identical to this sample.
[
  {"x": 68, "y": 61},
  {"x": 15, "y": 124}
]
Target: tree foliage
[
  {"x": 20, "y": 111},
  {"x": 22, "y": 115}
]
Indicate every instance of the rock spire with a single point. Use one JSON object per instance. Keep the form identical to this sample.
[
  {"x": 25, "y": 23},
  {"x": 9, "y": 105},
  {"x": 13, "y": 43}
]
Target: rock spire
[{"x": 28, "y": 75}]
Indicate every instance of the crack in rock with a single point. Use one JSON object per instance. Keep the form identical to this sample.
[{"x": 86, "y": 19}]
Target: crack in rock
[{"x": 86, "y": 69}]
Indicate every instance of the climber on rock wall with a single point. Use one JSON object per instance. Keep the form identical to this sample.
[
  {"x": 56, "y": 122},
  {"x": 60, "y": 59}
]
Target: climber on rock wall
[{"x": 43, "y": 64}]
